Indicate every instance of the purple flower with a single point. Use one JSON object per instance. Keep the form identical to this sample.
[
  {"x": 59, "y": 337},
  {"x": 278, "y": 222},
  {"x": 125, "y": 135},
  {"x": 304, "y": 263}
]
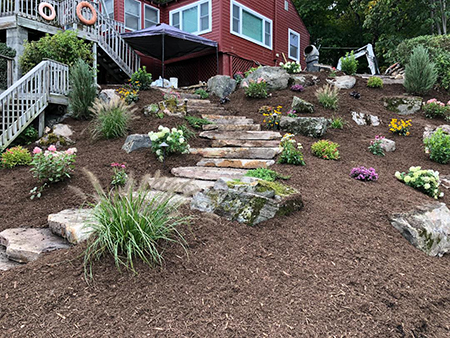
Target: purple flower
[
  {"x": 297, "y": 88},
  {"x": 364, "y": 174}
]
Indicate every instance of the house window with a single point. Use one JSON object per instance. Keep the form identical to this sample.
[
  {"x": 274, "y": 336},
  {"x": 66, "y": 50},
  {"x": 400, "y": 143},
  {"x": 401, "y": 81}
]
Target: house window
[
  {"x": 132, "y": 14},
  {"x": 108, "y": 8},
  {"x": 286, "y": 5},
  {"x": 195, "y": 18},
  {"x": 251, "y": 25},
  {"x": 151, "y": 16},
  {"x": 294, "y": 45}
]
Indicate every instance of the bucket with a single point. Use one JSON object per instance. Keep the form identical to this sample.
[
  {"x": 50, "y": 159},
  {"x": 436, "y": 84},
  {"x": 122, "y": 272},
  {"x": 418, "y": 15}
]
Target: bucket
[{"x": 174, "y": 82}]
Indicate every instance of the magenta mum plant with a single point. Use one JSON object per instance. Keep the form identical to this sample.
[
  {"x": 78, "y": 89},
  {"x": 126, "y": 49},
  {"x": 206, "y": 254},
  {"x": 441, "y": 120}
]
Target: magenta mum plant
[
  {"x": 364, "y": 174},
  {"x": 297, "y": 88}
]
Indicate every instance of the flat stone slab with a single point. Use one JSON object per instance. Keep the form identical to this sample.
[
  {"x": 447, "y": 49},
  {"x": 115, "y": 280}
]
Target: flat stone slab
[
  {"x": 5, "y": 262},
  {"x": 204, "y": 110},
  {"x": 232, "y": 127},
  {"x": 211, "y": 174},
  {"x": 247, "y": 153},
  {"x": 230, "y": 121},
  {"x": 162, "y": 196},
  {"x": 243, "y": 143},
  {"x": 24, "y": 245},
  {"x": 185, "y": 186},
  {"x": 212, "y": 117},
  {"x": 241, "y": 135},
  {"x": 235, "y": 163},
  {"x": 71, "y": 224}
]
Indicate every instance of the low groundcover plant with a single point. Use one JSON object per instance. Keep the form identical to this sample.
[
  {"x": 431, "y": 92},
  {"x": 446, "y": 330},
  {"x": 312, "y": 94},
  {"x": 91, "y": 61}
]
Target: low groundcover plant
[
  {"x": 426, "y": 181},
  {"x": 364, "y": 174}
]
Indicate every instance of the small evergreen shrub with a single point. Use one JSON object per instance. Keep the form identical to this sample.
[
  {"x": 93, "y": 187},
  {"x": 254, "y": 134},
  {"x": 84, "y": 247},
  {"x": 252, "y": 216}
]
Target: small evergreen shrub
[
  {"x": 256, "y": 89},
  {"x": 328, "y": 96},
  {"x": 292, "y": 151},
  {"x": 202, "y": 93},
  {"x": 110, "y": 119},
  {"x": 197, "y": 122},
  {"x": 349, "y": 64},
  {"x": 375, "y": 82},
  {"x": 265, "y": 174},
  {"x": 426, "y": 181},
  {"x": 420, "y": 72},
  {"x": 364, "y": 174},
  {"x": 325, "y": 149},
  {"x": 83, "y": 90},
  {"x": 141, "y": 80},
  {"x": 438, "y": 146},
  {"x": 16, "y": 156}
]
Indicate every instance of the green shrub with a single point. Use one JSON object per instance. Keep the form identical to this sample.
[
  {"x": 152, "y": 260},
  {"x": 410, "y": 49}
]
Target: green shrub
[
  {"x": 202, "y": 93},
  {"x": 426, "y": 181},
  {"x": 110, "y": 120},
  {"x": 29, "y": 135},
  {"x": 338, "y": 123},
  {"x": 375, "y": 82},
  {"x": 438, "y": 146},
  {"x": 328, "y": 96},
  {"x": 292, "y": 151},
  {"x": 141, "y": 80},
  {"x": 83, "y": 90},
  {"x": 420, "y": 72},
  {"x": 197, "y": 122},
  {"x": 132, "y": 226},
  {"x": 187, "y": 132},
  {"x": 434, "y": 108},
  {"x": 6, "y": 51},
  {"x": 256, "y": 89},
  {"x": 349, "y": 64},
  {"x": 265, "y": 174},
  {"x": 175, "y": 140},
  {"x": 63, "y": 47},
  {"x": 16, "y": 156},
  {"x": 326, "y": 150}
]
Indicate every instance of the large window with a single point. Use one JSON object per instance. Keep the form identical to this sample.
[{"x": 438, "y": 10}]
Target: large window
[
  {"x": 251, "y": 25},
  {"x": 132, "y": 14},
  {"x": 151, "y": 16},
  {"x": 294, "y": 45},
  {"x": 195, "y": 18}
]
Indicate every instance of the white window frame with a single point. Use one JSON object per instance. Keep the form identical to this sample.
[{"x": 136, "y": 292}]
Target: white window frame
[
  {"x": 157, "y": 11},
  {"x": 195, "y": 4},
  {"x": 262, "y": 17},
  {"x": 297, "y": 57},
  {"x": 125, "y": 13}
]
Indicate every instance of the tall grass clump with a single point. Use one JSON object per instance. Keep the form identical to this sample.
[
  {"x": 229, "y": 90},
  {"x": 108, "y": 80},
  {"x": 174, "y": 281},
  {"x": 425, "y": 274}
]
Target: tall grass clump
[
  {"x": 83, "y": 90},
  {"x": 420, "y": 72},
  {"x": 132, "y": 225},
  {"x": 328, "y": 96},
  {"x": 110, "y": 118}
]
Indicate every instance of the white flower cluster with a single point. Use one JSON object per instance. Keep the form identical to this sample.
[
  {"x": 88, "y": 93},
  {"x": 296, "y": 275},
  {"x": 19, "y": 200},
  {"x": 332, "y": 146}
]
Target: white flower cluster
[
  {"x": 426, "y": 180},
  {"x": 173, "y": 137},
  {"x": 291, "y": 67}
]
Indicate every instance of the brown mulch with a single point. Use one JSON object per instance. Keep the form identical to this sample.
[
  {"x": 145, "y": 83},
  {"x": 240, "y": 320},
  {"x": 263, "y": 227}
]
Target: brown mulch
[{"x": 335, "y": 269}]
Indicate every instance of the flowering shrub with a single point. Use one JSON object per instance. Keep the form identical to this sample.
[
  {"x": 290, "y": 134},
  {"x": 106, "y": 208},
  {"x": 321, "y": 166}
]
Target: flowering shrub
[
  {"x": 175, "y": 140},
  {"x": 333, "y": 72},
  {"x": 141, "y": 80},
  {"x": 325, "y": 149},
  {"x": 375, "y": 82},
  {"x": 291, "y": 67},
  {"x": 426, "y": 181},
  {"x": 297, "y": 88},
  {"x": 400, "y": 127},
  {"x": 364, "y": 174},
  {"x": 239, "y": 76},
  {"x": 375, "y": 146},
  {"x": 272, "y": 117},
  {"x": 438, "y": 146},
  {"x": 119, "y": 177},
  {"x": 256, "y": 89},
  {"x": 292, "y": 151},
  {"x": 172, "y": 97},
  {"x": 16, "y": 156},
  {"x": 292, "y": 113},
  {"x": 128, "y": 93},
  {"x": 328, "y": 96},
  {"x": 53, "y": 166},
  {"x": 434, "y": 108}
]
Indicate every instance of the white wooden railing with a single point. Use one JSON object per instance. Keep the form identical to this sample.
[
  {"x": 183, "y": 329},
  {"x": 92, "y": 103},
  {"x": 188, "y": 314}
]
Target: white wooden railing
[{"x": 21, "y": 103}]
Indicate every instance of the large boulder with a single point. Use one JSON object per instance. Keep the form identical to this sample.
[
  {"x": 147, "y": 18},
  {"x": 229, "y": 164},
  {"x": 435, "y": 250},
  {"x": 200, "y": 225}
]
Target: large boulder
[
  {"x": 307, "y": 126},
  {"x": 221, "y": 85},
  {"x": 343, "y": 82},
  {"x": 301, "y": 106},
  {"x": 402, "y": 105},
  {"x": 277, "y": 78},
  {"x": 136, "y": 142},
  {"x": 248, "y": 201},
  {"x": 426, "y": 227}
]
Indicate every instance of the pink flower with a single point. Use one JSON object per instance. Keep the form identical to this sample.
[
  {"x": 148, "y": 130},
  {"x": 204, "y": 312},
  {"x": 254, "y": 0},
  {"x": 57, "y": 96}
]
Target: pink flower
[
  {"x": 448, "y": 103},
  {"x": 52, "y": 148},
  {"x": 37, "y": 150},
  {"x": 71, "y": 151},
  {"x": 260, "y": 80},
  {"x": 245, "y": 85},
  {"x": 441, "y": 104},
  {"x": 431, "y": 101},
  {"x": 122, "y": 166}
]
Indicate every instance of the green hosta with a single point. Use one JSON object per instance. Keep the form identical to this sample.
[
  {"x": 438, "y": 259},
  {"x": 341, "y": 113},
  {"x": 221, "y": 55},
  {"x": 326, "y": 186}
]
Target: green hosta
[
  {"x": 174, "y": 138},
  {"x": 426, "y": 181}
]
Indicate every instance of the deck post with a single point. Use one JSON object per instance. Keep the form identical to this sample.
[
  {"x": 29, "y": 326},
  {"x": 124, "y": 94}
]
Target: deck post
[
  {"x": 15, "y": 38},
  {"x": 94, "y": 62},
  {"x": 41, "y": 124}
]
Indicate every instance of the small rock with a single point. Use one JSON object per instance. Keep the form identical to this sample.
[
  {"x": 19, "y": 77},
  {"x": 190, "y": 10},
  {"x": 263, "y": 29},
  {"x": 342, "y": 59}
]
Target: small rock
[
  {"x": 5, "y": 263},
  {"x": 106, "y": 95},
  {"x": 363, "y": 119},
  {"x": 136, "y": 141},
  {"x": 343, "y": 82},
  {"x": 63, "y": 130},
  {"x": 302, "y": 106},
  {"x": 305, "y": 80},
  {"x": 71, "y": 224},
  {"x": 307, "y": 126},
  {"x": 387, "y": 145},
  {"x": 445, "y": 181},
  {"x": 403, "y": 105},
  {"x": 221, "y": 85}
]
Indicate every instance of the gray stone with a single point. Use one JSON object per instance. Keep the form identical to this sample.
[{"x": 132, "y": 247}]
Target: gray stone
[
  {"x": 5, "y": 262},
  {"x": 403, "y": 105},
  {"x": 445, "y": 181},
  {"x": 209, "y": 174},
  {"x": 365, "y": 119},
  {"x": 185, "y": 186},
  {"x": 172, "y": 199},
  {"x": 151, "y": 109},
  {"x": 241, "y": 135},
  {"x": 426, "y": 227},
  {"x": 430, "y": 130},
  {"x": 106, "y": 95},
  {"x": 136, "y": 141},
  {"x": 235, "y": 163},
  {"x": 301, "y": 106},
  {"x": 221, "y": 85},
  {"x": 24, "y": 245},
  {"x": 63, "y": 130},
  {"x": 387, "y": 145},
  {"x": 247, "y": 153},
  {"x": 307, "y": 126},
  {"x": 277, "y": 78},
  {"x": 71, "y": 224},
  {"x": 305, "y": 80},
  {"x": 343, "y": 82}
]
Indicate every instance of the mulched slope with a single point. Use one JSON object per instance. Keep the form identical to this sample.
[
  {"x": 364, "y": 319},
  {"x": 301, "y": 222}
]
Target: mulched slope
[{"x": 337, "y": 268}]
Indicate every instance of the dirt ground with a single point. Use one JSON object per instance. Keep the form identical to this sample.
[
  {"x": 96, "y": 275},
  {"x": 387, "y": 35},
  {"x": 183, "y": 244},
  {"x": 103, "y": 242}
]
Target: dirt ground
[{"x": 335, "y": 269}]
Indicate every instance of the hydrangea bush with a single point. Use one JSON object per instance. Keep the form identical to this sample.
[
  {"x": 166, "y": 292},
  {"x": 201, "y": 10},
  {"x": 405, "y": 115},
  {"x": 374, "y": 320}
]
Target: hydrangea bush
[
  {"x": 291, "y": 67},
  {"x": 52, "y": 166},
  {"x": 364, "y": 174},
  {"x": 426, "y": 181},
  {"x": 174, "y": 138}
]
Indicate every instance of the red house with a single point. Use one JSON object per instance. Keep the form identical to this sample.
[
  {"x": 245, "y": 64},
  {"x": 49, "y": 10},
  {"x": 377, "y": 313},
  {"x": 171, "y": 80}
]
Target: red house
[{"x": 248, "y": 33}]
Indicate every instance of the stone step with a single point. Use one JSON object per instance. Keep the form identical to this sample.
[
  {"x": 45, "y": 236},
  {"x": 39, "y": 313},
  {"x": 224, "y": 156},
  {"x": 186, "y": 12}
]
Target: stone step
[
  {"x": 24, "y": 245},
  {"x": 185, "y": 186},
  {"x": 71, "y": 224},
  {"x": 201, "y": 103},
  {"x": 235, "y": 163},
  {"x": 241, "y": 135},
  {"x": 232, "y": 127},
  {"x": 230, "y": 121},
  {"x": 204, "y": 110},
  {"x": 247, "y": 153},
  {"x": 213, "y": 117},
  {"x": 243, "y": 143},
  {"x": 211, "y": 174},
  {"x": 163, "y": 196},
  {"x": 5, "y": 263}
]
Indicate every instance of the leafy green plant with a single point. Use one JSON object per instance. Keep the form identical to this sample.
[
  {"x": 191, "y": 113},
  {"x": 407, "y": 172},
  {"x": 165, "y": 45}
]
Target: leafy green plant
[
  {"x": 426, "y": 181},
  {"x": 141, "y": 80},
  {"x": 375, "y": 146},
  {"x": 420, "y": 72},
  {"x": 434, "y": 108},
  {"x": 338, "y": 123},
  {"x": 175, "y": 140},
  {"x": 202, "y": 93},
  {"x": 53, "y": 166},
  {"x": 83, "y": 90},
  {"x": 266, "y": 174},
  {"x": 438, "y": 146},
  {"x": 187, "y": 132},
  {"x": 256, "y": 89},
  {"x": 325, "y": 149},
  {"x": 110, "y": 119},
  {"x": 29, "y": 135},
  {"x": 119, "y": 178},
  {"x": 197, "y": 122},
  {"x": 15, "y": 156},
  {"x": 349, "y": 64},
  {"x": 292, "y": 151},
  {"x": 6, "y": 51},
  {"x": 328, "y": 96},
  {"x": 375, "y": 82},
  {"x": 251, "y": 70}
]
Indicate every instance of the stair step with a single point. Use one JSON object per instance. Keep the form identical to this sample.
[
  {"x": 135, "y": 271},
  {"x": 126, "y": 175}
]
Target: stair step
[
  {"x": 213, "y": 117},
  {"x": 232, "y": 127},
  {"x": 200, "y": 102},
  {"x": 241, "y": 135},
  {"x": 70, "y": 224},
  {"x": 162, "y": 196},
  {"x": 248, "y": 153},
  {"x": 185, "y": 186},
  {"x": 211, "y": 174},
  {"x": 204, "y": 110},
  {"x": 243, "y": 143},
  {"x": 230, "y": 121},
  {"x": 235, "y": 163}
]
